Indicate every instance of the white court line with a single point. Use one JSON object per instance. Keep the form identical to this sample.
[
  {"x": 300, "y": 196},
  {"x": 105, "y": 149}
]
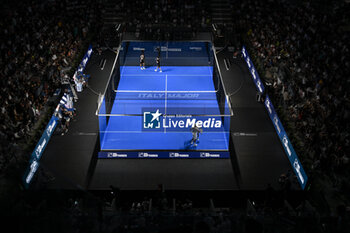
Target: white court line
[
  {"x": 86, "y": 134},
  {"x": 122, "y": 71}
]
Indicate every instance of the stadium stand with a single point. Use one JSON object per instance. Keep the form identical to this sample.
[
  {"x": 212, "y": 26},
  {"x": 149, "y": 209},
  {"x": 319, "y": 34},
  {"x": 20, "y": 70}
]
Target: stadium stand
[
  {"x": 301, "y": 50},
  {"x": 37, "y": 56},
  {"x": 305, "y": 64}
]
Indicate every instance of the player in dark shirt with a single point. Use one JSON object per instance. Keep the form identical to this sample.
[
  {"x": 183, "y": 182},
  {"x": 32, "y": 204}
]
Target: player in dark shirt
[
  {"x": 158, "y": 64},
  {"x": 142, "y": 60}
]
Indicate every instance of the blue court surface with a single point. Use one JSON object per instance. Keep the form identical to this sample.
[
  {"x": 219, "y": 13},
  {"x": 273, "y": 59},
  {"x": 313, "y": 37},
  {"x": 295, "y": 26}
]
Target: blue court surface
[{"x": 177, "y": 90}]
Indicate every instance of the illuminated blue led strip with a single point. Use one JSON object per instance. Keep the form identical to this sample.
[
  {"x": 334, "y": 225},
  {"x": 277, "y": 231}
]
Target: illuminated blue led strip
[
  {"x": 287, "y": 145},
  {"x": 259, "y": 85}
]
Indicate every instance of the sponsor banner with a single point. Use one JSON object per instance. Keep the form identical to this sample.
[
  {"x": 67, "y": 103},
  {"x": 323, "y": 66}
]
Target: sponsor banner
[
  {"x": 85, "y": 59},
  {"x": 164, "y": 155},
  {"x": 30, "y": 172},
  {"x": 171, "y": 49},
  {"x": 81, "y": 68},
  {"x": 167, "y": 49},
  {"x": 292, "y": 156},
  {"x": 44, "y": 140},
  {"x": 38, "y": 151},
  {"x": 259, "y": 85},
  {"x": 40, "y": 147},
  {"x": 196, "y": 48},
  {"x": 181, "y": 120},
  {"x": 138, "y": 49}
]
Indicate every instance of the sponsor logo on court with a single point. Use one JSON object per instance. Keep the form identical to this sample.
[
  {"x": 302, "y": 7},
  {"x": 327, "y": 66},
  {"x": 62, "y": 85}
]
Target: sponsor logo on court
[
  {"x": 147, "y": 155},
  {"x": 116, "y": 155},
  {"x": 209, "y": 155},
  {"x": 163, "y": 154},
  {"x": 178, "y": 155},
  {"x": 169, "y": 95}
]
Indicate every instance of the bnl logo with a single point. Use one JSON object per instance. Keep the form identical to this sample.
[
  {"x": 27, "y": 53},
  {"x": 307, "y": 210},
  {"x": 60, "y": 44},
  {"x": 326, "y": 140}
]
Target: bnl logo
[{"x": 151, "y": 120}]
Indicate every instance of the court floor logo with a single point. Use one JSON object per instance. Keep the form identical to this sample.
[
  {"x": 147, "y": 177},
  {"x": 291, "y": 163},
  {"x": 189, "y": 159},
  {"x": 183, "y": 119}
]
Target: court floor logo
[{"x": 151, "y": 120}]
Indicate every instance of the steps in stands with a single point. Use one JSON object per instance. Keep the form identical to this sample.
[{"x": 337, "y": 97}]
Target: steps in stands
[
  {"x": 221, "y": 11},
  {"x": 112, "y": 15}
]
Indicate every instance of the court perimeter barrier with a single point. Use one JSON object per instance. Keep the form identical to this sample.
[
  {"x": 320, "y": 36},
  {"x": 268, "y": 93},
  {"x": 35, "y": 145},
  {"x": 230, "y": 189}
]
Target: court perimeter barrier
[
  {"x": 50, "y": 128},
  {"x": 169, "y": 103},
  {"x": 287, "y": 145},
  {"x": 164, "y": 154},
  {"x": 259, "y": 86},
  {"x": 282, "y": 135}
]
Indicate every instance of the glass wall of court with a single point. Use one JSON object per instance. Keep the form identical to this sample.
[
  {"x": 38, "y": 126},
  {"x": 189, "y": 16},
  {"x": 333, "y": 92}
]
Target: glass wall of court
[{"x": 125, "y": 114}]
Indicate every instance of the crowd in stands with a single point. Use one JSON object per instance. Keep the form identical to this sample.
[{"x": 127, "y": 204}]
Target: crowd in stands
[
  {"x": 303, "y": 51},
  {"x": 162, "y": 19},
  {"x": 37, "y": 52},
  {"x": 159, "y": 211}
]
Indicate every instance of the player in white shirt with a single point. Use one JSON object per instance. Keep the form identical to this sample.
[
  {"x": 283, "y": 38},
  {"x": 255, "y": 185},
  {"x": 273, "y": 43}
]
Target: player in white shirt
[{"x": 195, "y": 135}]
